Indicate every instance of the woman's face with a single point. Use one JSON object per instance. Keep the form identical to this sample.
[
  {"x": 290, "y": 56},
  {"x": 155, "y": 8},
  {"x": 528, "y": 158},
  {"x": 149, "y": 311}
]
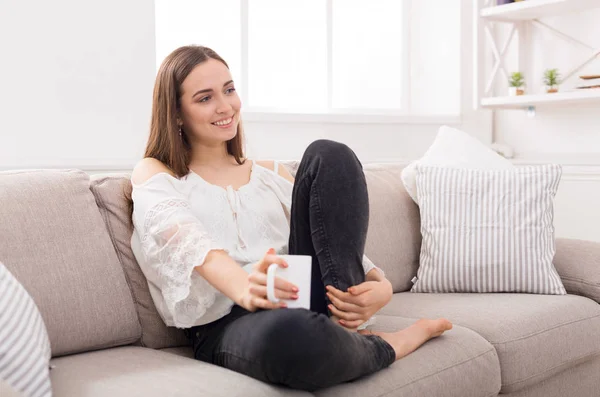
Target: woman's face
[{"x": 210, "y": 105}]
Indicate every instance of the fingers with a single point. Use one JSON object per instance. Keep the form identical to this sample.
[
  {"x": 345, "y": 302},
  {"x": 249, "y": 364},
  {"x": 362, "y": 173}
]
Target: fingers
[
  {"x": 270, "y": 259},
  {"x": 266, "y": 304},
  {"x": 351, "y": 324},
  {"x": 267, "y": 260},
  {"x": 261, "y": 290},
  {"x": 280, "y": 284},
  {"x": 344, "y": 306},
  {"x": 258, "y": 278},
  {"x": 360, "y": 300},
  {"x": 360, "y": 288},
  {"x": 285, "y": 285},
  {"x": 347, "y": 316},
  {"x": 344, "y": 296}
]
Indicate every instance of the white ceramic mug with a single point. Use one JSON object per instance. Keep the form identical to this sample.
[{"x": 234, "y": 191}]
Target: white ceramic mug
[{"x": 298, "y": 273}]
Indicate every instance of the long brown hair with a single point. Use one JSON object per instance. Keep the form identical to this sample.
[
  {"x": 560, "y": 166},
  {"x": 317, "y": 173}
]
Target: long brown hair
[{"x": 165, "y": 143}]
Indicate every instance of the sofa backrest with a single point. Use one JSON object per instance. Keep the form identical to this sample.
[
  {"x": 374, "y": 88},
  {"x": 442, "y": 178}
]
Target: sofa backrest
[
  {"x": 109, "y": 191},
  {"x": 54, "y": 240},
  {"x": 394, "y": 236}
]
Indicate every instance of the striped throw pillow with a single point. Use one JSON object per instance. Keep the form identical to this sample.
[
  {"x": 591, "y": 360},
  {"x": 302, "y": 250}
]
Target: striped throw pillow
[
  {"x": 24, "y": 343},
  {"x": 487, "y": 230}
]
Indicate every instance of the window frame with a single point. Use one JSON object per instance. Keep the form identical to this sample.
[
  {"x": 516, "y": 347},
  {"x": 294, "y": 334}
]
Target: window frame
[{"x": 340, "y": 115}]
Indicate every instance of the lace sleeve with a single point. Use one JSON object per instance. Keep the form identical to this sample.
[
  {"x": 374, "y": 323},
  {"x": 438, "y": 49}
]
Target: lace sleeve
[
  {"x": 173, "y": 242},
  {"x": 368, "y": 265}
]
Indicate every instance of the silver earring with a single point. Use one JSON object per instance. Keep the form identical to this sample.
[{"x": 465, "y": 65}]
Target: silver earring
[{"x": 180, "y": 133}]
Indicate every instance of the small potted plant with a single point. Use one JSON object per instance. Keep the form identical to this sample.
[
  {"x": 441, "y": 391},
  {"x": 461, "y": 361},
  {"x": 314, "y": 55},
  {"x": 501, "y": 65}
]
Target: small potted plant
[
  {"x": 516, "y": 84},
  {"x": 551, "y": 80}
]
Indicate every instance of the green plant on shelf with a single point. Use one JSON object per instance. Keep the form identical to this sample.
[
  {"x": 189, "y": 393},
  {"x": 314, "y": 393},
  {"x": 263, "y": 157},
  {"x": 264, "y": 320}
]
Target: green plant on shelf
[
  {"x": 516, "y": 84},
  {"x": 516, "y": 79},
  {"x": 551, "y": 80}
]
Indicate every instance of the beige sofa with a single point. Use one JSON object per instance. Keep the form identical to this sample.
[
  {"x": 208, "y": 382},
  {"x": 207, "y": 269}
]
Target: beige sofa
[{"x": 65, "y": 236}]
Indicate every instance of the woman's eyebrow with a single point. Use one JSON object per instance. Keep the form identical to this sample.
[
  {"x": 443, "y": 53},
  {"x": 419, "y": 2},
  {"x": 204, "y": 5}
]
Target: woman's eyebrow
[{"x": 210, "y": 89}]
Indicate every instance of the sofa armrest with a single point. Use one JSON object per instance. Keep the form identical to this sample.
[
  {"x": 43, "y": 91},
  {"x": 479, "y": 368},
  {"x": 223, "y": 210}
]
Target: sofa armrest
[
  {"x": 578, "y": 264},
  {"x": 7, "y": 391}
]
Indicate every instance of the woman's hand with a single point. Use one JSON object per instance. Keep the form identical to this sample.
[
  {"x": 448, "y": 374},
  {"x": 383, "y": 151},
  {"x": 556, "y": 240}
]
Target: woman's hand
[
  {"x": 360, "y": 303},
  {"x": 255, "y": 293}
]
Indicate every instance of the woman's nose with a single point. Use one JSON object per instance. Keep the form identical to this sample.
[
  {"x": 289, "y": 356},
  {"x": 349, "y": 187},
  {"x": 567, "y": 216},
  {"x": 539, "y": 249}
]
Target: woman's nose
[{"x": 224, "y": 106}]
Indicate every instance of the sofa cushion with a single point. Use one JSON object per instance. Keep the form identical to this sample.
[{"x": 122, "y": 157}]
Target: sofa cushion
[
  {"x": 453, "y": 148},
  {"x": 109, "y": 191},
  {"x": 24, "y": 343},
  {"x": 458, "y": 363},
  {"x": 139, "y": 371},
  {"x": 581, "y": 380},
  {"x": 183, "y": 351},
  {"x": 488, "y": 230},
  {"x": 536, "y": 336},
  {"x": 438, "y": 368},
  {"x": 55, "y": 243},
  {"x": 394, "y": 237},
  {"x": 7, "y": 390},
  {"x": 578, "y": 264}
]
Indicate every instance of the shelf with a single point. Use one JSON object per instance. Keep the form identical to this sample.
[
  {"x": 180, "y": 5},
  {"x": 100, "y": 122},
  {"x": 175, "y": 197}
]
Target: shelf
[
  {"x": 534, "y": 9},
  {"x": 556, "y": 99},
  {"x": 589, "y": 161}
]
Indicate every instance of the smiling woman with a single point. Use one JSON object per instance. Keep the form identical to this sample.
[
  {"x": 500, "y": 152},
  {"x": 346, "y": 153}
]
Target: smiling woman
[
  {"x": 203, "y": 109},
  {"x": 208, "y": 224},
  {"x": 204, "y": 99}
]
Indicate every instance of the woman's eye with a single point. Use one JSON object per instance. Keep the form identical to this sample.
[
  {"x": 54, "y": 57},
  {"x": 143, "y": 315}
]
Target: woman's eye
[
  {"x": 230, "y": 90},
  {"x": 205, "y": 99}
]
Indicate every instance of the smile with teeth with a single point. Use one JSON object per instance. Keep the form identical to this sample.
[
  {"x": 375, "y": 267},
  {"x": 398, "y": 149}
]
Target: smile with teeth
[{"x": 224, "y": 123}]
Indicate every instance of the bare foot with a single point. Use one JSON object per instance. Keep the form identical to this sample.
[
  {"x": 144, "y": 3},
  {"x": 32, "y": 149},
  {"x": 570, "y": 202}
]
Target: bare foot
[
  {"x": 409, "y": 339},
  {"x": 436, "y": 327}
]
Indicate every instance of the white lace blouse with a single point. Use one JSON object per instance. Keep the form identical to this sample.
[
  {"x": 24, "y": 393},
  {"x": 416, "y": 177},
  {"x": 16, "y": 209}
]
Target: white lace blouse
[{"x": 178, "y": 221}]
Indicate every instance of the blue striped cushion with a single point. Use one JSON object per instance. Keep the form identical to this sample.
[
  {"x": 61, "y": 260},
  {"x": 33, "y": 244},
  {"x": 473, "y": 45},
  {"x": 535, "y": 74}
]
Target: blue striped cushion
[
  {"x": 487, "y": 230},
  {"x": 24, "y": 343}
]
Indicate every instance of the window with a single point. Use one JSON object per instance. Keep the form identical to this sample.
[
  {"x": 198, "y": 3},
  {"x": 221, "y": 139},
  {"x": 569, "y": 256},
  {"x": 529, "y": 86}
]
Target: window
[{"x": 382, "y": 57}]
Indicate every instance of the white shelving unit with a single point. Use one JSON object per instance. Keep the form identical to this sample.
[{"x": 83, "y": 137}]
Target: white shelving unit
[
  {"x": 526, "y": 101},
  {"x": 535, "y": 9},
  {"x": 520, "y": 15}
]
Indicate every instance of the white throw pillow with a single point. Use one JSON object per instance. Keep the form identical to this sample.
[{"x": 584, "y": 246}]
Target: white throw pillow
[
  {"x": 487, "y": 230},
  {"x": 24, "y": 343},
  {"x": 457, "y": 149}
]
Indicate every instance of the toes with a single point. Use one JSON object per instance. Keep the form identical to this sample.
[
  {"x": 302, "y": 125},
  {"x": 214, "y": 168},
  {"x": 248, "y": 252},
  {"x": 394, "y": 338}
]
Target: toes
[{"x": 447, "y": 324}]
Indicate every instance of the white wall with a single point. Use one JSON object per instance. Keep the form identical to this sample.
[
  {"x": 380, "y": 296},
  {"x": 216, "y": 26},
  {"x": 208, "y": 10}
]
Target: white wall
[
  {"x": 567, "y": 131},
  {"x": 75, "y": 91},
  {"x": 569, "y": 135},
  {"x": 75, "y": 82}
]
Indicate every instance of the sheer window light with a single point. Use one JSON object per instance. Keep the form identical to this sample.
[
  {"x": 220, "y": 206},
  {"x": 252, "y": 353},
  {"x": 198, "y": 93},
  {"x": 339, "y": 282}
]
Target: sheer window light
[
  {"x": 327, "y": 56},
  {"x": 214, "y": 24},
  {"x": 287, "y": 55},
  {"x": 367, "y": 63}
]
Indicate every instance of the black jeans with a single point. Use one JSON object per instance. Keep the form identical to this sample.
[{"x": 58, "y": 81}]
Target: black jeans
[{"x": 299, "y": 348}]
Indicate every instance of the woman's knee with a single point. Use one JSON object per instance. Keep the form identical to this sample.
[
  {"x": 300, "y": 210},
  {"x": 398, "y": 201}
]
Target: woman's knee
[{"x": 332, "y": 152}]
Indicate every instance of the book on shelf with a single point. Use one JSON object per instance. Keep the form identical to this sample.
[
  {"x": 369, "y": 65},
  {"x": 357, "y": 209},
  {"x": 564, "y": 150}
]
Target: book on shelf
[{"x": 589, "y": 81}]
